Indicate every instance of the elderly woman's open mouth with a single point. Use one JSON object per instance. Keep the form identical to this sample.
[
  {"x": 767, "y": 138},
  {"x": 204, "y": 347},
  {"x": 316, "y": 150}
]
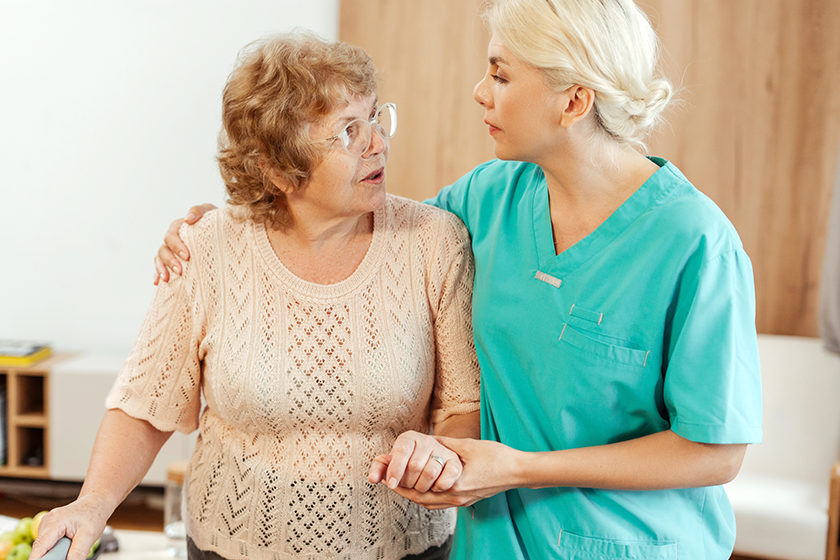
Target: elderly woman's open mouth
[{"x": 376, "y": 176}]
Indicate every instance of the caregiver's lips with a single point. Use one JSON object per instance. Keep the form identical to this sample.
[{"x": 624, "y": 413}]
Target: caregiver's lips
[{"x": 493, "y": 129}]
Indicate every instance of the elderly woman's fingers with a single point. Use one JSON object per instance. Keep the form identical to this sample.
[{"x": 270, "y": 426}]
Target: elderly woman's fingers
[
  {"x": 378, "y": 469},
  {"x": 83, "y": 521},
  {"x": 419, "y": 463},
  {"x": 402, "y": 453},
  {"x": 439, "y": 474},
  {"x": 428, "y": 475},
  {"x": 418, "y": 460},
  {"x": 450, "y": 474}
]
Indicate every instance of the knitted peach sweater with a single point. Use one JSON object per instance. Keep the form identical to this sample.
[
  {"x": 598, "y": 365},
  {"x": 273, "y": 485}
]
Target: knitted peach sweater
[{"x": 305, "y": 384}]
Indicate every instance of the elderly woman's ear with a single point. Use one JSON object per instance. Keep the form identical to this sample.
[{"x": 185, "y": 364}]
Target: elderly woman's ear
[{"x": 280, "y": 181}]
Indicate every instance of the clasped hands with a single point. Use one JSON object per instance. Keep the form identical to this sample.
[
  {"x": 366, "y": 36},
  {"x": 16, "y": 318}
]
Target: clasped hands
[{"x": 440, "y": 472}]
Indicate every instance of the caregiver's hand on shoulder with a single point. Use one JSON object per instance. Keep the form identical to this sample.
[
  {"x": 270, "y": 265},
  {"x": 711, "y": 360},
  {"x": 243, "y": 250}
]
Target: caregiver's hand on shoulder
[
  {"x": 488, "y": 468},
  {"x": 83, "y": 521},
  {"x": 166, "y": 258},
  {"x": 417, "y": 461}
]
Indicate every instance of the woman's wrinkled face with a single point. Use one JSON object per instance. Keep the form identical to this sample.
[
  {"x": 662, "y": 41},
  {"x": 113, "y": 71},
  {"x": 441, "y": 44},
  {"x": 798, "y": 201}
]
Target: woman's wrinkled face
[
  {"x": 519, "y": 109},
  {"x": 343, "y": 184}
]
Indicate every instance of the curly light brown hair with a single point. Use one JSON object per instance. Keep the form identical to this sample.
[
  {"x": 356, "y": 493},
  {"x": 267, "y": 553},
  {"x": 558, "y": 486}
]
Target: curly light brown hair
[{"x": 282, "y": 84}]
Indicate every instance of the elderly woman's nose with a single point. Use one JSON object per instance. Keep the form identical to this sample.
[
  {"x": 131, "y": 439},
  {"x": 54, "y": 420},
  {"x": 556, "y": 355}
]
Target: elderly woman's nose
[{"x": 377, "y": 144}]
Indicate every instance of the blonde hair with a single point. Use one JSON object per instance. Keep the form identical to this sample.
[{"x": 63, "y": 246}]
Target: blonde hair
[
  {"x": 281, "y": 84},
  {"x": 607, "y": 45}
]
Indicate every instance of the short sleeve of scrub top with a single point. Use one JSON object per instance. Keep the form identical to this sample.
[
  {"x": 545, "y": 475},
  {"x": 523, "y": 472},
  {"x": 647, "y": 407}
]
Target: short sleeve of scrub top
[{"x": 645, "y": 325}]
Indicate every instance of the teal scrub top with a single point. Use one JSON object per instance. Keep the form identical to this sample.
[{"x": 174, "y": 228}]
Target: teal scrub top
[{"x": 645, "y": 325}]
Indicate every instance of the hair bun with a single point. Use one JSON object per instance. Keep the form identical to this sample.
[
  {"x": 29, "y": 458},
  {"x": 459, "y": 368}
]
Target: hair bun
[
  {"x": 631, "y": 118},
  {"x": 659, "y": 95}
]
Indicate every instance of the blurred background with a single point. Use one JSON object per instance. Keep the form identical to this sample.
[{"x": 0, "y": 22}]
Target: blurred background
[
  {"x": 757, "y": 126},
  {"x": 110, "y": 113}
]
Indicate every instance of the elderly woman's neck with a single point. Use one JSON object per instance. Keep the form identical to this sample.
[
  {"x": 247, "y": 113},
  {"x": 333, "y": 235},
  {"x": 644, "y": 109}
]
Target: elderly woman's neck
[
  {"x": 323, "y": 250},
  {"x": 316, "y": 232}
]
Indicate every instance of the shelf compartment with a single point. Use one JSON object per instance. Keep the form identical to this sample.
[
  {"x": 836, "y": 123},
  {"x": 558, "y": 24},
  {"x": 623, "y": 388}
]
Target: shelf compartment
[
  {"x": 24, "y": 472},
  {"x": 30, "y": 395},
  {"x": 31, "y": 448},
  {"x": 31, "y": 420},
  {"x": 27, "y": 418}
]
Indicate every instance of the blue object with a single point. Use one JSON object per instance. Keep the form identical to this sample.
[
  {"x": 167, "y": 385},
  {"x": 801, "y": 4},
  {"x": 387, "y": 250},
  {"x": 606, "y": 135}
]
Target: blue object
[{"x": 646, "y": 324}]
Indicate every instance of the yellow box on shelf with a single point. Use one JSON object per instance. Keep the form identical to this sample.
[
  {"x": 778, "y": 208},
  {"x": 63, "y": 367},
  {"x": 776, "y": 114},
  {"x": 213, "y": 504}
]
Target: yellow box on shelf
[{"x": 17, "y": 353}]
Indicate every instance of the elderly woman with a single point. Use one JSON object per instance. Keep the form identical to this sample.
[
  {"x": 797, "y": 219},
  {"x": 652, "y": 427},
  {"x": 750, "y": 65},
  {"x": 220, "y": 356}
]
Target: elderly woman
[{"x": 319, "y": 317}]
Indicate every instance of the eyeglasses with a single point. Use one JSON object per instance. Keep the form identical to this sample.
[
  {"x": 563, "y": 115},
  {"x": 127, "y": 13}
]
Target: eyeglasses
[{"x": 356, "y": 136}]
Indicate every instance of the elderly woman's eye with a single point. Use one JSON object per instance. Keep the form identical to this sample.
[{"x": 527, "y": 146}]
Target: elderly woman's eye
[{"x": 352, "y": 130}]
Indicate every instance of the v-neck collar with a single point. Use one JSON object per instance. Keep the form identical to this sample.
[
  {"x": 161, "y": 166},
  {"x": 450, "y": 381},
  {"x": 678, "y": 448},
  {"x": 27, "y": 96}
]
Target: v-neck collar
[{"x": 575, "y": 256}]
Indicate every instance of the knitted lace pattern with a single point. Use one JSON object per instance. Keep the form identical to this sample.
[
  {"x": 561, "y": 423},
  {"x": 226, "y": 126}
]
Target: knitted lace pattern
[{"x": 304, "y": 384}]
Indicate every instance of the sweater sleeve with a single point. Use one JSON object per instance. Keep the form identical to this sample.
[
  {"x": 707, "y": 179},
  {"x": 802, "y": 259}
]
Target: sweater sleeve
[
  {"x": 456, "y": 388},
  {"x": 161, "y": 379}
]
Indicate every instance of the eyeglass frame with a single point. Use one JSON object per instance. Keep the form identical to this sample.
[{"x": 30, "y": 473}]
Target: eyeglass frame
[{"x": 370, "y": 122}]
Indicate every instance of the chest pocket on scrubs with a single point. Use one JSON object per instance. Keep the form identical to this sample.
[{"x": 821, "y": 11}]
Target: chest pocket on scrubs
[
  {"x": 578, "y": 547},
  {"x": 602, "y": 391},
  {"x": 612, "y": 352}
]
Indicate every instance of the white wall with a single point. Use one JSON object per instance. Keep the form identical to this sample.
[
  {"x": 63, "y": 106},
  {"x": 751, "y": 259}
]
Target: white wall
[{"x": 109, "y": 113}]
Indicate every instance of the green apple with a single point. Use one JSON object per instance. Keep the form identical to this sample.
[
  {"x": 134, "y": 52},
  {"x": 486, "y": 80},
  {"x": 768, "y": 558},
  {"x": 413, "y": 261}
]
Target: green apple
[
  {"x": 24, "y": 530},
  {"x": 94, "y": 548},
  {"x": 10, "y": 536},
  {"x": 19, "y": 552}
]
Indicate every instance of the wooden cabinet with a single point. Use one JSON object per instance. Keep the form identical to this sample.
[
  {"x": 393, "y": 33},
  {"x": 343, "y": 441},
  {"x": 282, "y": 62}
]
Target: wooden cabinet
[
  {"x": 27, "y": 418},
  {"x": 53, "y": 411}
]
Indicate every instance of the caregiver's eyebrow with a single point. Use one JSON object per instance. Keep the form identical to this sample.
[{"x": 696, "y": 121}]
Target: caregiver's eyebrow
[{"x": 495, "y": 60}]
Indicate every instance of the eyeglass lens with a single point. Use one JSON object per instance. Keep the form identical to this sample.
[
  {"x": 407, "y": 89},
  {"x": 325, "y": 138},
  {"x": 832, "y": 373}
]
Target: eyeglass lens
[{"x": 357, "y": 135}]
